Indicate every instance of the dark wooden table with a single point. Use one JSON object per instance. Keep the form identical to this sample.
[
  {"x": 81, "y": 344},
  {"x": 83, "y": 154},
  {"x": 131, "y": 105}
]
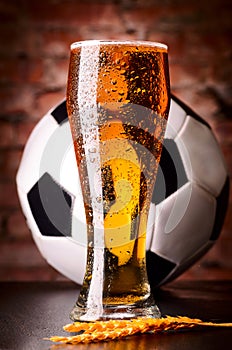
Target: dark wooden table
[{"x": 31, "y": 311}]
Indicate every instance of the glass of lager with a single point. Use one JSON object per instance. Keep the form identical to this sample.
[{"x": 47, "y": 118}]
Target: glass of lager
[{"x": 118, "y": 101}]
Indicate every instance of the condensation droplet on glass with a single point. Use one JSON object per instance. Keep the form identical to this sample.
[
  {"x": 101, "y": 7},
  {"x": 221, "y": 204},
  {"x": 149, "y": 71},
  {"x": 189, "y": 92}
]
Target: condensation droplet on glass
[{"x": 99, "y": 199}]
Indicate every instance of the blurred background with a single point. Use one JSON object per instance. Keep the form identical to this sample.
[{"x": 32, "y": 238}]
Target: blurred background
[{"x": 34, "y": 52}]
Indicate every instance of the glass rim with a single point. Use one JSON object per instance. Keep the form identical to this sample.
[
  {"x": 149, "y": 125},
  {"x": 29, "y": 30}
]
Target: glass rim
[{"x": 155, "y": 44}]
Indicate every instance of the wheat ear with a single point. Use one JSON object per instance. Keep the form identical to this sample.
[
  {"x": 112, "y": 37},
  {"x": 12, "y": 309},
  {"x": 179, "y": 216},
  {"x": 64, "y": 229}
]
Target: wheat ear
[{"x": 116, "y": 329}]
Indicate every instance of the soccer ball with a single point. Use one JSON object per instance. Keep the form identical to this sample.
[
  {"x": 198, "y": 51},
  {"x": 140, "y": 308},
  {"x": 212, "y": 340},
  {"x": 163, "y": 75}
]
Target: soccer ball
[{"x": 188, "y": 205}]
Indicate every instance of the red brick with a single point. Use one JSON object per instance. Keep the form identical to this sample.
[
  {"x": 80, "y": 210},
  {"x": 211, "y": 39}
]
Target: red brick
[
  {"x": 30, "y": 43},
  {"x": 143, "y": 18},
  {"x": 72, "y": 13},
  {"x": 226, "y": 249},
  {"x": 9, "y": 163},
  {"x": 20, "y": 254},
  {"x": 8, "y": 70},
  {"x": 4, "y": 214},
  {"x": 18, "y": 99},
  {"x": 34, "y": 70},
  {"x": 47, "y": 100},
  {"x": 17, "y": 227},
  {"x": 176, "y": 44},
  {"x": 56, "y": 41},
  {"x": 223, "y": 130},
  {"x": 9, "y": 197},
  {"x": 56, "y": 48},
  {"x": 226, "y": 150},
  {"x": 21, "y": 43},
  {"x": 181, "y": 76},
  {"x": 10, "y": 40},
  {"x": 55, "y": 74},
  {"x": 202, "y": 104},
  {"x": 6, "y": 134},
  {"x": 21, "y": 70},
  {"x": 8, "y": 11},
  {"x": 228, "y": 222},
  {"x": 23, "y": 131}
]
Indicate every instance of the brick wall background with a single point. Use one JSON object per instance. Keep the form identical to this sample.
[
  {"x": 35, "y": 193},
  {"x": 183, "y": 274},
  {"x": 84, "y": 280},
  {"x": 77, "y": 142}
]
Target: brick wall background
[{"x": 35, "y": 38}]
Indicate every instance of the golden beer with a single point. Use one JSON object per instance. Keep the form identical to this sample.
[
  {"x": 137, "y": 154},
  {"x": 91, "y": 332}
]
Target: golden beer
[{"x": 118, "y": 102}]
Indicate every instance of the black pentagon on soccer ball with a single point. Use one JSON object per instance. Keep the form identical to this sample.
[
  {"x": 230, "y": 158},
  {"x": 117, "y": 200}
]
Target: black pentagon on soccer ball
[
  {"x": 60, "y": 113},
  {"x": 171, "y": 174},
  {"x": 222, "y": 204},
  {"x": 51, "y": 205},
  {"x": 158, "y": 268}
]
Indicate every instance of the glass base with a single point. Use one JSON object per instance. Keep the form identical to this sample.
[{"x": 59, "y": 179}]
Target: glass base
[{"x": 143, "y": 309}]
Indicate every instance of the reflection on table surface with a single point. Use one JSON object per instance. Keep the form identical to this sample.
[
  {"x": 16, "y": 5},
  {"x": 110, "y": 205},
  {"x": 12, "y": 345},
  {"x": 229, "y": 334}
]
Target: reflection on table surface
[{"x": 31, "y": 311}]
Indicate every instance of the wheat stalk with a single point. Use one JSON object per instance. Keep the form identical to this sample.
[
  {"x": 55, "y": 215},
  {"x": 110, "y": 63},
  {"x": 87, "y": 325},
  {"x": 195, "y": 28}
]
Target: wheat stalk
[{"x": 116, "y": 329}]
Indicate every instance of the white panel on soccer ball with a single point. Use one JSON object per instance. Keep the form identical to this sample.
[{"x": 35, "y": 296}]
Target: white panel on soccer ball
[
  {"x": 69, "y": 176},
  {"x": 65, "y": 255},
  {"x": 176, "y": 119},
  {"x": 79, "y": 228},
  {"x": 29, "y": 169},
  {"x": 179, "y": 233},
  {"x": 207, "y": 164},
  {"x": 55, "y": 152}
]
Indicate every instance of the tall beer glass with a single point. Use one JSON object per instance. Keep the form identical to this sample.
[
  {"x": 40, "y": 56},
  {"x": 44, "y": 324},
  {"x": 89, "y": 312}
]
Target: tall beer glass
[{"x": 118, "y": 102}]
